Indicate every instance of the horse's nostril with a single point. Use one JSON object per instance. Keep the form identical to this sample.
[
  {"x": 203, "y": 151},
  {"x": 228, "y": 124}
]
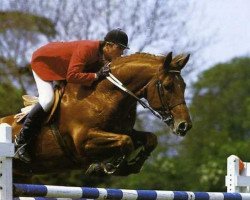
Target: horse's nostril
[{"x": 183, "y": 126}]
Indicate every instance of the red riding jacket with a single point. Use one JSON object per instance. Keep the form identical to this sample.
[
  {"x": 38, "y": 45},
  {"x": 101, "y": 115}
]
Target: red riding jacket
[{"x": 74, "y": 61}]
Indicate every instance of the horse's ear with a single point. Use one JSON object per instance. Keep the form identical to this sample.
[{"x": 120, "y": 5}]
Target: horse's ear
[
  {"x": 167, "y": 61},
  {"x": 183, "y": 61}
]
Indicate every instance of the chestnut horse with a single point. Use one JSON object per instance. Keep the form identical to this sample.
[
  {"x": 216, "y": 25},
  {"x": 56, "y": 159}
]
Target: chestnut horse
[{"x": 96, "y": 123}]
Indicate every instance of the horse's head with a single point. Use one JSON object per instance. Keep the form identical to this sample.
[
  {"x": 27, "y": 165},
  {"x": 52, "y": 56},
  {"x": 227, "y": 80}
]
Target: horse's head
[{"x": 165, "y": 94}]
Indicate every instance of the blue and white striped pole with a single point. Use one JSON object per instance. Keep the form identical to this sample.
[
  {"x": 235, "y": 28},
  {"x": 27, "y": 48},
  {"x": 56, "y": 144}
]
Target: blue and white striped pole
[
  {"x": 102, "y": 193},
  {"x": 46, "y": 198}
]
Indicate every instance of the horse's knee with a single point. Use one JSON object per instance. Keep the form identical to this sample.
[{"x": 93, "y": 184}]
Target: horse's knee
[{"x": 126, "y": 144}]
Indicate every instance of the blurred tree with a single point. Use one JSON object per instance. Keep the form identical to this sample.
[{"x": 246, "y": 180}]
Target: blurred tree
[
  {"x": 221, "y": 119},
  {"x": 17, "y": 20},
  {"x": 10, "y": 101},
  {"x": 17, "y": 30}
]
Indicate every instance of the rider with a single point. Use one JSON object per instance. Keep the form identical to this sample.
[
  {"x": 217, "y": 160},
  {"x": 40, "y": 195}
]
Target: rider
[{"x": 76, "y": 62}]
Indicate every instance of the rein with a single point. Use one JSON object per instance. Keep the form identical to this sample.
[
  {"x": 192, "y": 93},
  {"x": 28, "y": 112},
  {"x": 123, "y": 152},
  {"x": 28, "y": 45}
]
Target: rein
[
  {"x": 168, "y": 118},
  {"x": 120, "y": 85}
]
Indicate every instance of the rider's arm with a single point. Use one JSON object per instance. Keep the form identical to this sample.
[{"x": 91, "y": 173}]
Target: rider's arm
[{"x": 80, "y": 58}]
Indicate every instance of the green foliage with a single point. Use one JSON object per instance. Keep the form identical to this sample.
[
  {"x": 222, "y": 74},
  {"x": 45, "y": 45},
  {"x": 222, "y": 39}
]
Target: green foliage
[
  {"x": 23, "y": 28},
  {"x": 10, "y": 101},
  {"x": 159, "y": 173},
  {"x": 73, "y": 178},
  {"x": 221, "y": 119},
  {"x": 26, "y": 21}
]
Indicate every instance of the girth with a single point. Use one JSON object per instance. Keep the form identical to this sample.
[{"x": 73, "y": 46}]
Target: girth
[{"x": 68, "y": 152}]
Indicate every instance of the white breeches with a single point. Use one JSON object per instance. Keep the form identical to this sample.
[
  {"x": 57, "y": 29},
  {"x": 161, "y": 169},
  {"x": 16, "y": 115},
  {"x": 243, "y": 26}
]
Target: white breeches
[{"x": 45, "y": 92}]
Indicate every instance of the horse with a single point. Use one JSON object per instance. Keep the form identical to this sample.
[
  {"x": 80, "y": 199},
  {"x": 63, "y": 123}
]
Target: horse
[{"x": 96, "y": 124}]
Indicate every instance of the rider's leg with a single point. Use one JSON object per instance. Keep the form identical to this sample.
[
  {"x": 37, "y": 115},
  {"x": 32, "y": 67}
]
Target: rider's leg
[{"x": 32, "y": 123}]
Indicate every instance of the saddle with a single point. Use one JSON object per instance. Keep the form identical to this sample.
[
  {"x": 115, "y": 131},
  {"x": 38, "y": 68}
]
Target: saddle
[{"x": 29, "y": 102}]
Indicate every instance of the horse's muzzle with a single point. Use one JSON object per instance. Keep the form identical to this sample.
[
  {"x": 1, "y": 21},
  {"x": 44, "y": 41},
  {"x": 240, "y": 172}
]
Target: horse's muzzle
[{"x": 182, "y": 128}]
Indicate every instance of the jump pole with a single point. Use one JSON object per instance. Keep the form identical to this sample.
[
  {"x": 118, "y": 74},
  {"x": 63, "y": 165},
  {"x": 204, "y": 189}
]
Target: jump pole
[{"x": 119, "y": 194}]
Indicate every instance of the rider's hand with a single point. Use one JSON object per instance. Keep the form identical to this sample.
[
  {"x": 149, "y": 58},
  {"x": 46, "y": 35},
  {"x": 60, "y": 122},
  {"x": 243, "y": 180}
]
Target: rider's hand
[{"x": 103, "y": 72}]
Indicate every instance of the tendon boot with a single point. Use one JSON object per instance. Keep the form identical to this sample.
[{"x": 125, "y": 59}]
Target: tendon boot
[{"x": 31, "y": 127}]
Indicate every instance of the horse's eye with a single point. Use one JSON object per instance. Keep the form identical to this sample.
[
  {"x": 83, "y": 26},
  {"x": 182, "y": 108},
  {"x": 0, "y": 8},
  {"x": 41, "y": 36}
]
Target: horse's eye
[{"x": 169, "y": 86}]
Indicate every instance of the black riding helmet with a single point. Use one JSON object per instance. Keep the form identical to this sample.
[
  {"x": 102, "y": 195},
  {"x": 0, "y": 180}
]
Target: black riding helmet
[{"x": 117, "y": 36}]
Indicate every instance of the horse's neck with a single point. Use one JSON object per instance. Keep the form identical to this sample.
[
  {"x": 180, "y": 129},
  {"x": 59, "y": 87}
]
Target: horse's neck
[{"x": 134, "y": 75}]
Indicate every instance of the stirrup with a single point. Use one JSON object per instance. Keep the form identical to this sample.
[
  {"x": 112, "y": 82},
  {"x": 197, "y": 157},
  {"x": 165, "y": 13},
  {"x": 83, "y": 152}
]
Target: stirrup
[{"x": 109, "y": 168}]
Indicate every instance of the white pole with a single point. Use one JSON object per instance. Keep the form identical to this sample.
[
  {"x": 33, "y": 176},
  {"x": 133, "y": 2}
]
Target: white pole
[
  {"x": 238, "y": 175},
  {"x": 232, "y": 173},
  {"x": 6, "y": 155}
]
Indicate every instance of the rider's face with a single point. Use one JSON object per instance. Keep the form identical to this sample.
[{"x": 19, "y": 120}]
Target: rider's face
[{"x": 112, "y": 51}]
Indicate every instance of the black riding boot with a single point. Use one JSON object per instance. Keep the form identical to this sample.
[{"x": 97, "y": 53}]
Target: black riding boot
[{"x": 31, "y": 127}]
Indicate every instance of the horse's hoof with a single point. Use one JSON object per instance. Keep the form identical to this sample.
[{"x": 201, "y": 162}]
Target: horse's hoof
[
  {"x": 96, "y": 169},
  {"x": 109, "y": 168}
]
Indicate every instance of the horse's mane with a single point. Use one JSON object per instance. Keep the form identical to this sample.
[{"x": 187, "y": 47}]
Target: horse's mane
[
  {"x": 143, "y": 58},
  {"x": 137, "y": 56}
]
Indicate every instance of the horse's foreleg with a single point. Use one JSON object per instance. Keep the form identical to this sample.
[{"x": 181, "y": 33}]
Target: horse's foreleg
[
  {"x": 145, "y": 143},
  {"x": 106, "y": 151},
  {"x": 102, "y": 145},
  {"x": 146, "y": 139}
]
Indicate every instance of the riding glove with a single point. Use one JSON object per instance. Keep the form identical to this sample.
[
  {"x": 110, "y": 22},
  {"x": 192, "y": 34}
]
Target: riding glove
[{"x": 103, "y": 72}]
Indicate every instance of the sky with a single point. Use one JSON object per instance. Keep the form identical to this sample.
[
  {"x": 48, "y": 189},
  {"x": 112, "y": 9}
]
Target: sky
[{"x": 229, "y": 23}]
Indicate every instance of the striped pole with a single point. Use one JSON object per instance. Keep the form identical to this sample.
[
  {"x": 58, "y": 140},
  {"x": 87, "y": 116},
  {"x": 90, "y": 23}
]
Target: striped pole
[
  {"x": 45, "y": 198},
  {"x": 58, "y": 192}
]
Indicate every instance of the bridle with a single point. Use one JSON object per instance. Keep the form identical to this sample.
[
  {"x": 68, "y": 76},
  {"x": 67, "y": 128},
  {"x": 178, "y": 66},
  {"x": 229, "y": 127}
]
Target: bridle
[
  {"x": 165, "y": 110},
  {"x": 164, "y": 113}
]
